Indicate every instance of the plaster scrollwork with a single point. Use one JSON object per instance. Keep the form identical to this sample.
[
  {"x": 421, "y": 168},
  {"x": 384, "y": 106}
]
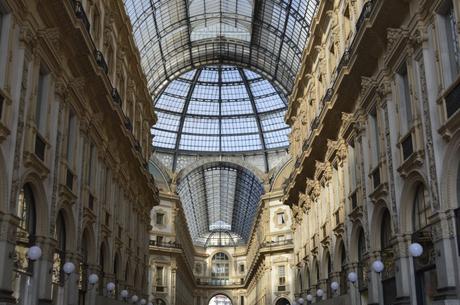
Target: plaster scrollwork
[{"x": 61, "y": 88}]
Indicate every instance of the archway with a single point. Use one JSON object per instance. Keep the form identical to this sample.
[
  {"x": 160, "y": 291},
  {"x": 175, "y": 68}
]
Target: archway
[
  {"x": 282, "y": 301},
  {"x": 220, "y": 299}
]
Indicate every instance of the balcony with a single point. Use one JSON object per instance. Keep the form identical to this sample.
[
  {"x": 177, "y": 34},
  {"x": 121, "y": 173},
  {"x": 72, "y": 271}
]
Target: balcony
[
  {"x": 101, "y": 62},
  {"x": 365, "y": 13},
  {"x": 81, "y": 14},
  {"x": 116, "y": 97},
  {"x": 170, "y": 244}
]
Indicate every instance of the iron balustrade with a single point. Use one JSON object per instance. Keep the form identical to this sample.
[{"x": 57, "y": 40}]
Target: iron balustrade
[
  {"x": 116, "y": 97},
  {"x": 128, "y": 124},
  {"x": 81, "y": 14},
  {"x": 365, "y": 13},
  {"x": 276, "y": 243},
  {"x": 170, "y": 244},
  {"x": 101, "y": 61}
]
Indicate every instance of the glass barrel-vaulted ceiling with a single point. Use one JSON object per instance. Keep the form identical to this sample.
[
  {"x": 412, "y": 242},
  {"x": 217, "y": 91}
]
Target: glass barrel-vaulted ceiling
[
  {"x": 174, "y": 36},
  {"x": 220, "y": 197},
  {"x": 220, "y": 109}
]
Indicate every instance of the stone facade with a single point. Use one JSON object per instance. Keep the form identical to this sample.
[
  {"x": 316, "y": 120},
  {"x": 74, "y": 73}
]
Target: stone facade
[
  {"x": 375, "y": 141},
  {"x": 75, "y": 117}
]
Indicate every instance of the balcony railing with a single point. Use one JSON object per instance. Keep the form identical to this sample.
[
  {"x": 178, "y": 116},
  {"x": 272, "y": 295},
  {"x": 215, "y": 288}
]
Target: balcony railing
[
  {"x": 171, "y": 244},
  {"x": 128, "y": 124},
  {"x": 276, "y": 243},
  {"x": 116, "y": 97},
  {"x": 365, "y": 13},
  {"x": 81, "y": 14},
  {"x": 101, "y": 61}
]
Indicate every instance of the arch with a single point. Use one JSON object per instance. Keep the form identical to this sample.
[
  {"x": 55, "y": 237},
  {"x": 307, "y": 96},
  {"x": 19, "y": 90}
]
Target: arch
[
  {"x": 407, "y": 200},
  {"x": 380, "y": 210},
  {"x": 356, "y": 232},
  {"x": 136, "y": 278},
  {"x": 326, "y": 263},
  {"x": 70, "y": 227},
  {"x": 339, "y": 251},
  {"x": 281, "y": 173},
  {"x": 220, "y": 159},
  {"x": 104, "y": 257},
  {"x": 117, "y": 263},
  {"x": 282, "y": 301},
  {"x": 315, "y": 271},
  {"x": 450, "y": 175},
  {"x": 222, "y": 299},
  {"x": 127, "y": 272},
  {"x": 88, "y": 245},
  {"x": 40, "y": 200}
]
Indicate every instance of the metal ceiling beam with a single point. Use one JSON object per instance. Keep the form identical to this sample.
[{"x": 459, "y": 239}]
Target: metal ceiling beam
[
  {"x": 259, "y": 125},
  {"x": 152, "y": 6},
  {"x": 182, "y": 118}
]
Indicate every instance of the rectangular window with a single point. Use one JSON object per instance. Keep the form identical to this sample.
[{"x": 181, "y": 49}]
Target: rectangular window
[
  {"x": 241, "y": 268},
  {"x": 160, "y": 218},
  {"x": 405, "y": 108},
  {"x": 281, "y": 218},
  {"x": 282, "y": 275},
  {"x": 41, "y": 106},
  {"x": 159, "y": 276},
  {"x": 352, "y": 165},
  {"x": 242, "y": 300},
  {"x": 92, "y": 165},
  {"x": 71, "y": 138},
  {"x": 449, "y": 42},
  {"x": 374, "y": 138},
  {"x": 159, "y": 239}
]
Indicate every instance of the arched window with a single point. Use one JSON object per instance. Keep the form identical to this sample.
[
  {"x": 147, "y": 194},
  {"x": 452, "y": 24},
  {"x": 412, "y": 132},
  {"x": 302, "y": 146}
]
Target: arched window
[
  {"x": 220, "y": 268},
  {"x": 83, "y": 269},
  {"x": 25, "y": 237},
  {"x": 422, "y": 209},
  {"x": 58, "y": 276},
  {"x": 388, "y": 279},
  {"x": 328, "y": 275},
  {"x": 317, "y": 273},
  {"x": 27, "y": 216},
  {"x": 362, "y": 270},
  {"x": 385, "y": 231},
  {"x": 102, "y": 264},
  {"x": 307, "y": 278},
  {"x": 116, "y": 270},
  {"x": 343, "y": 269}
]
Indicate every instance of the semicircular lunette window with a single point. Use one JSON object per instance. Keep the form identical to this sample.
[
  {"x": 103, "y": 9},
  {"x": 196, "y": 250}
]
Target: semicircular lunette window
[{"x": 220, "y": 109}]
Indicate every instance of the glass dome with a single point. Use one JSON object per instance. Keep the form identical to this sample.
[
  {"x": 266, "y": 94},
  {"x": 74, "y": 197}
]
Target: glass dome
[{"x": 220, "y": 109}]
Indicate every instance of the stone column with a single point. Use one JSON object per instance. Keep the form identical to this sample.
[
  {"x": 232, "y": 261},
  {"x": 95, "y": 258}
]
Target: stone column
[
  {"x": 404, "y": 270},
  {"x": 8, "y": 224},
  {"x": 42, "y": 277},
  {"x": 375, "y": 291},
  {"x": 445, "y": 247}
]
